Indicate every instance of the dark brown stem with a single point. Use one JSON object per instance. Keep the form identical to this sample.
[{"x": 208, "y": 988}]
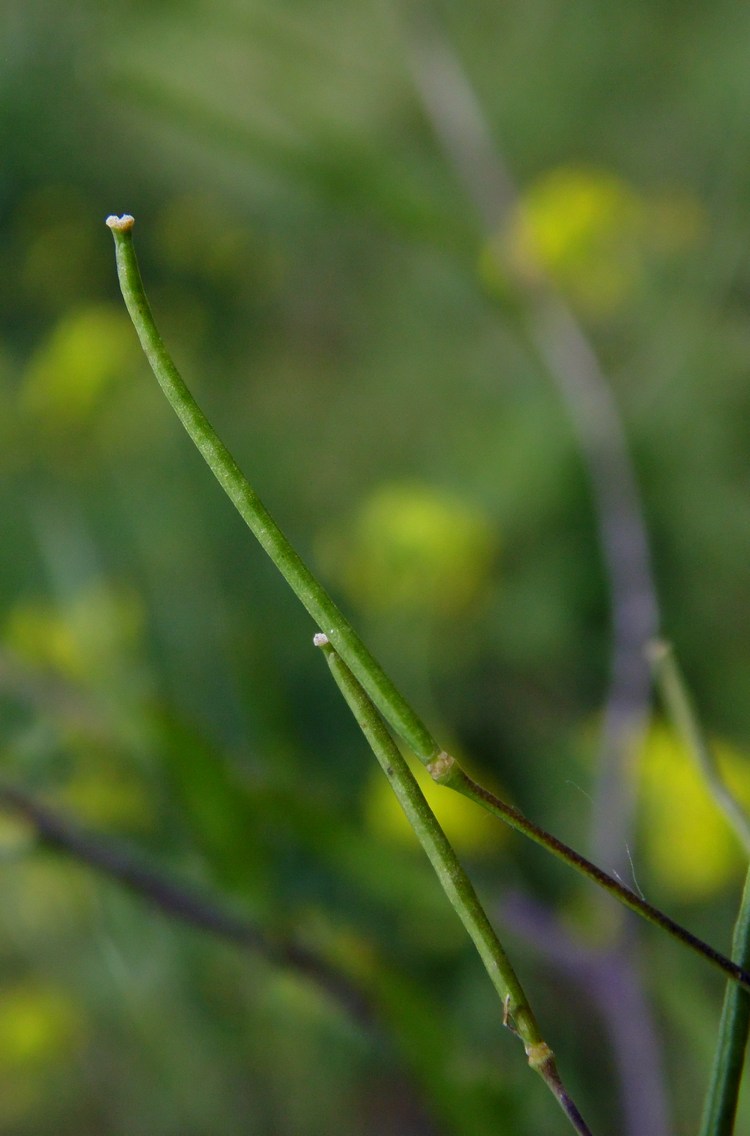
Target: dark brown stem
[{"x": 463, "y": 784}]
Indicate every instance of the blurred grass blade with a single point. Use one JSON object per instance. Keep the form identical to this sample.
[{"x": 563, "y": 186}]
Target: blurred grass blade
[
  {"x": 720, "y": 1106},
  {"x": 679, "y": 706}
]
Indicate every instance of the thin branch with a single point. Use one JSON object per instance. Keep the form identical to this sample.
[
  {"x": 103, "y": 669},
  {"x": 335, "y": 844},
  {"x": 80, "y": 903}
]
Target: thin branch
[
  {"x": 458, "y": 121},
  {"x": 178, "y": 900},
  {"x": 556, "y": 337},
  {"x": 610, "y": 979},
  {"x": 561, "y": 346},
  {"x": 446, "y": 772},
  {"x": 679, "y": 705}
]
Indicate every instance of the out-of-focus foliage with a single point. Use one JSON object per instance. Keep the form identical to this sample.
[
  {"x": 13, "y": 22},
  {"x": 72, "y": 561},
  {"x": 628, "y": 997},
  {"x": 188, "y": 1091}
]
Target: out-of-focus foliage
[
  {"x": 355, "y": 336},
  {"x": 593, "y": 236},
  {"x": 410, "y": 548},
  {"x": 71, "y": 374}
]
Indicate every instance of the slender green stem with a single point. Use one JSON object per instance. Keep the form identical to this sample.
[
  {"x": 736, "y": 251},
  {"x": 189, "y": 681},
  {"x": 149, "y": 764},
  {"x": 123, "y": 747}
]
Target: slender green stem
[
  {"x": 254, "y": 513},
  {"x": 447, "y": 772},
  {"x": 676, "y": 698},
  {"x": 390, "y": 702},
  {"x": 720, "y": 1105},
  {"x": 455, "y": 882},
  {"x": 726, "y": 1075}
]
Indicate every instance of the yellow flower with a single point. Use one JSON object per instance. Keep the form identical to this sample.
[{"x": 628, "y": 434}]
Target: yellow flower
[
  {"x": 471, "y": 830},
  {"x": 584, "y": 228},
  {"x": 690, "y": 847},
  {"x": 591, "y": 234},
  {"x": 38, "y": 1024},
  {"x": 413, "y": 549}
]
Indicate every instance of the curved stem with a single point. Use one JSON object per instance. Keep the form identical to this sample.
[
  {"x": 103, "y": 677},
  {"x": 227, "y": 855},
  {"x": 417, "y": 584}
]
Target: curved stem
[{"x": 252, "y": 510}]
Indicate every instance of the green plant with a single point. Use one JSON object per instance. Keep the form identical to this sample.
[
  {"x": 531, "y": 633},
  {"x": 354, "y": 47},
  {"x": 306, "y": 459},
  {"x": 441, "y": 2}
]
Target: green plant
[{"x": 373, "y": 698}]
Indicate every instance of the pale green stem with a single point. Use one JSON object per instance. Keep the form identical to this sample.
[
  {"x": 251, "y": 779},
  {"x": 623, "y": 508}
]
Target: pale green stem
[
  {"x": 679, "y": 705},
  {"x": 254, "y": 513},
  {"x": 720, "y": 1106},
  {"x": 456, "y": 884},
  {"x": 379, "y": 687}
]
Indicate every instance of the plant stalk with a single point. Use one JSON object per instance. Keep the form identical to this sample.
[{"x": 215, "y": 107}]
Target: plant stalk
[
  {"x": 313, "y": 596},
  {"x": 679, "y": 705},
  {"x": 720, "y": 1107},
  {"x": 517, "y": 1013}
]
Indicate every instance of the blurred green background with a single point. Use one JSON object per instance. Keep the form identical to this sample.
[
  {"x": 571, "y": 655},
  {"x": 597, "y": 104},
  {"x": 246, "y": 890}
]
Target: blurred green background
[{"x": 360, "y": 338}]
